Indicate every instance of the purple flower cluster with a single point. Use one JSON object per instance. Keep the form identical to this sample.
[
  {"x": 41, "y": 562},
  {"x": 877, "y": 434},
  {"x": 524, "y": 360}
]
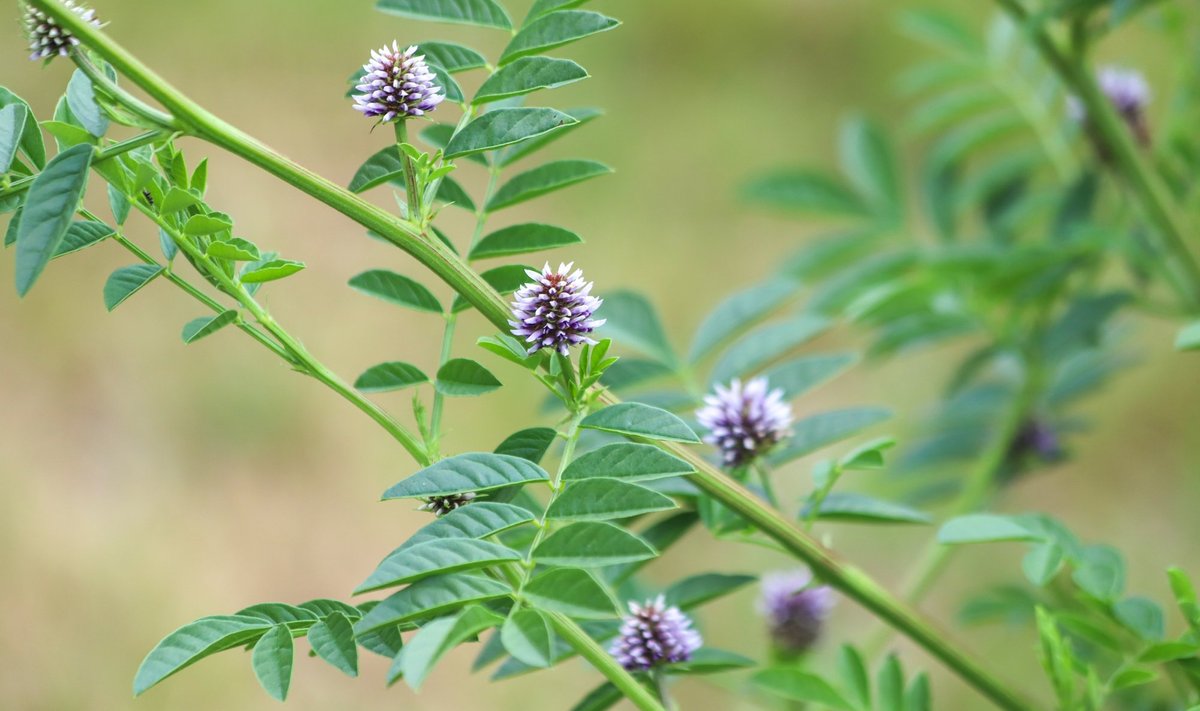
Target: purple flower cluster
[
  {"x": 441, "y": 505},
  {"x": 795, "y": 609},
  {"x": 1127, "y": 91},
  {"x": 555, "y": 309},
  {"x": 397, "y": 85},
  {"x": 654, "y": 634},
  {"x": 745, "y": 421},
  {"x": 46, "y": 38}
]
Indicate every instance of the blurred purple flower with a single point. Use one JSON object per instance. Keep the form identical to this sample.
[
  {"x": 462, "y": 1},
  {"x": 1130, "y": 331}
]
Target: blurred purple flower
[
  {"x": 795, "y": 609},
  {"x": 555, "y": 309},
  {"x": 654, "y": 634},
  {"x": 46, "y": 38},
  {"x": 442, "y": 505},
  {"x": 397, "y": 85},
  {"x": 745, "y": 421},
  {"x": 1129, "y": 94}
]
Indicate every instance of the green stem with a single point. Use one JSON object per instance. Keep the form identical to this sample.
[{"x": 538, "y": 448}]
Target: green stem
[
  {"x": 101, "y": 83},
  {"x": 416, "y": 206},
  {"x": 604, "y": 662},
  {"x": 102, "y": 155},
  {"x": 764, "y": 476},
  {"x": 660, "y": 686},
  {"x": 1171, "y": 230},
  {"x": 447, "y": 266}
]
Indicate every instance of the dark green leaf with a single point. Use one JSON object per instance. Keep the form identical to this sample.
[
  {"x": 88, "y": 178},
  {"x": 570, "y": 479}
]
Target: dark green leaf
[
  {"x": 176, "y": 200},
  {"x": 198, "y": 328},
  {"x": 530, "y": 444},
  {"x": 736, "y": 314},
  {"x": 526, "y": 75},
  {"x": 397, "y": 289},
  {"x": 450, "y": 191},
  {"x": 545, "y": 179},
  {"x": 475, "y": 471},
  {"x": 382, "y": 167},
  {"x": 518, "y": 151},
  {"x": 234, "y": 249},
  {"x": 638, "y": 420},
  {"x": 626, "y": 460},
  {"x": 572, "y": 592},
  {"x": 127, "y": 281},
  {"x": 82, "y": 100},
  {"x": 81, "y": 235},
  {"x": 485, "y": 13},
  {"x": 454, "y": 57},
  {"x": 333, "y": 640},
  {"x": 1042, "y": 563},
  {"x": 527, "y": 637},
  {"x": 853, "y": 671},
  {"x": 520, "y": 239},
  {"x": 446, "y": 80},
  {"x": 281, "y": 613},
  {"x": 796, "y": 685},
  {"x": 479, "y": 520},
  {"x": 270, "y": 271},
  {"x": 272, "y": 661},
  {"x": 605, "y": 696},
  {"x": 891, "y": 685},
  {"x": 541, "y": 7},
  {"x": 200, "y": 225},
  {"x": 860, "y": 508},
  {"x": 601, "y": 499},
  {"x": 813, "y": 433},
  {"x": 870, "y": 164},
  {"x": 435, "y": 557},
  {"x": 766, "y": 344},
  {"x": 192, "y": 642},
  {"x": 805, "y": 192},
  {"x": 699, "y": 589},
  {"x": 1100, "y": 572},
  {"x": 796, "y": 377},
  {"x": 504, "y": 127},
  {"x": 464, "y": 377},
  {"x": 31, "y": 138},
  {"x": 14, "y": 225},
  {"x": 554, "y": 30},
  {"x": 505, "y": 280},
  {"x": 12, "y": 125},
  {"x": 1142, "y": 616},
  {"x": 438, "y": 637},
  {"x": 48, "y": 212},
  {"x": 430, "y": 597},
  {"x": 592, "y": 544},
  {"x": 984, "y": 528},
  {"x": 708, "y": 660},
  {"x": 632, "y": 321},
  {"x": 386, "y": 377}
]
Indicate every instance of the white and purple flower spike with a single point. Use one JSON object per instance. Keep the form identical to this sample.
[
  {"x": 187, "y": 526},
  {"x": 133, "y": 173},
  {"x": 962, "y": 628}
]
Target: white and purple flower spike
[
  {"x": 745, "y": 421},
  {"x": 397, "y": 85},
  {"x": 795, "y": 609},
  {"x": 654, "y": 634},
  {"x": 555, "y": 309},
  {"x": 46, "y": 38}
]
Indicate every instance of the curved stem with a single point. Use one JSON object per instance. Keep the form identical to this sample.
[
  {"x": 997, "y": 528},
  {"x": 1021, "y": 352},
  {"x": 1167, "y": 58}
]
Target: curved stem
[
  {"x": 447, "y": 266},
  {"x": 604, "y": 662},
  {"x": 1171, "y": 230}
]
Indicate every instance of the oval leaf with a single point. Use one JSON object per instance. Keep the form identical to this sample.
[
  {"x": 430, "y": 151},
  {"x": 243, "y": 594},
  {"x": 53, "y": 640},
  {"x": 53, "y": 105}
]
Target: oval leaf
[
  {"x": 554, "y": 30},
  {"x": 127, "y": 281},
  {"x": 479, "y": 520},
  {"x": 440, "y": 636},
  {"x": 333, "y": 640},
  {"x": 476, "y": 471},
  {"x": 465, "y": 377},
  {"x": 397, "y": 289},
  {"x": 545, "y": 179},
  {"x": 272, "y": 661},
  {"x": 602, "y": 499},
  {"x": 48, "y": 212},
  {"x": 572, "y": 592},
  {"x": 626, "y": 460},
  {"x": 192, "y": 642},
  {"x": 453, "y": 57},
  {"x": 520, "y": 239},
  {"x": 198, "y": 328},
  {"x": 592, "y": 544},
  {"x": 526, "y": 75},
  {"x": 984, "y": 528},
  {"x": 81, "y": 235},
  {"x": 504, "y": 127},
  {"x": 12, "y": 126},
  {"x": 386, "y": 377},
  {"x": 270, "y": 271},
  {"x": 638, "y": 420},
  {"x": 428, "y": 598},
  {"x": 527, "y": 636},
  {"x": 860, "y": 508},
  {"x": 485, "y": 13},
  {"x": 434, "y": 557}
]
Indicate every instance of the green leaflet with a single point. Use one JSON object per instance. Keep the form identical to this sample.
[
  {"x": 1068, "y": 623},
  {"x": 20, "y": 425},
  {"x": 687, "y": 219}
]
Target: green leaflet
[
  {"x": 257, "y": 273},
  {"x": 127, "y": 281},
  {"x": 503, "y": 127},
  {"x": 387, "y": 377},
  {"x": 521, "y": 239},
  {"x": 48, "y": 212},
  {"x": 81, "y": 235},
  {"x": 737, "y": 313},
  {"x": 572, "y": 592},
  {"x": 440, "y": 636},
  {"x": 602, "y": 499},
  {"x": 272, "y": 661},
  {"x": 699, "y": 589},
  {"x": 397, "y": 289},
  {"x": 526, "y": 75},
  {"x": 632, "y": 321},
  {"x": 984, "y": 528},
  {"x": 479, "y": 520},
  {"x": 628, "y": 461},
  {"x": 198, "y": 328},
  {"x": 192, "y": 642},
  {"x": 333, "y": 640},
  {"x": 554, "y": 30},
  {"x": 813, "y": 433},
  {"x": 860, "y": 508},
  {"x": 454, "y": 57},
  {"x": 434, "y": 557},
  {"x": 82, "y": 99},
  {"x": 430, "y": 597},
  {"x": 465, "y": 377},
  {"x": 545, "y": 179},
  {"x": 12, "y": 126},
  {"x": 485, "y": 13},
  {"x": 766, "y": 344},
  {"x": 638, "y": 420},
  {"x": 476, "y": 471},
  {"x": 527, "y": 636},
  {"x": 591, "y": 544}
]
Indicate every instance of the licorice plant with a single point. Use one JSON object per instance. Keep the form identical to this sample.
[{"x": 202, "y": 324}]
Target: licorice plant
[{"x": 1047, "y": 174}]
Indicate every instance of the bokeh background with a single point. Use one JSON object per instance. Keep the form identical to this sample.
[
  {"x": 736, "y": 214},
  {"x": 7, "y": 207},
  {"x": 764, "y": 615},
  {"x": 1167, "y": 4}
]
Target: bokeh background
[{"x": 144, "y": 483}]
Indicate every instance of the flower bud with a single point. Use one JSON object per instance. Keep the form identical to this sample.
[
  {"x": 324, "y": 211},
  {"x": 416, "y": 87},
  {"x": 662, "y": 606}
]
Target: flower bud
[{"x": 397, "y": 85}]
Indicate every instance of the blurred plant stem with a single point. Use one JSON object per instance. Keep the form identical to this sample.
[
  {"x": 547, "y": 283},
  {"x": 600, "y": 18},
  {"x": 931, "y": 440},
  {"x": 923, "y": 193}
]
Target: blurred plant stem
[
  {"x": 1171, "y": 229},
  {"x": 444, "y": 263}
]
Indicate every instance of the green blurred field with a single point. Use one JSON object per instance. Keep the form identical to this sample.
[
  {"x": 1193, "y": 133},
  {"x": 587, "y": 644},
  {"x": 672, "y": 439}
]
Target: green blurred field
[{"x": 145, "y": 483}]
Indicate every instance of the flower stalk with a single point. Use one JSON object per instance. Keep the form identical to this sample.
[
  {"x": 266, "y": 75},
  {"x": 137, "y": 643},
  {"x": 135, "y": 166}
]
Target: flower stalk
[{"x": 410, "y": 237}]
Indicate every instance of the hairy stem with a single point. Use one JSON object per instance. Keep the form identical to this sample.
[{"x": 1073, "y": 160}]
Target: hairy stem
[
  {"x": 1171, "y": 231},
  {"x": 471, "y": 286}
]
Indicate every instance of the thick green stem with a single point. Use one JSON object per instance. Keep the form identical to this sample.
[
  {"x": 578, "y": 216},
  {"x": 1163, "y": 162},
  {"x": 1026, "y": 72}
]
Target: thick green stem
[
  {"x": 412, "y": 195},
  {"x": 604, "y": 662},
  {"x": 1171, "y": 231},
  {"x": 447, "y": 266}
]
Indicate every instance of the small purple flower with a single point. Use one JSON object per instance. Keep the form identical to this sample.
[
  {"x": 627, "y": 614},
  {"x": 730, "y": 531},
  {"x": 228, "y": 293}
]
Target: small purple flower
[
  {"x": 555, "y": 309},
  {"x": 1129, "y": 94},
  {"x": 795, "y": 609},
  {"x": 654, "y": 634},
  {"x": 441, "y": 505},
  {"x": 397, "y": 85},
  {"x": 46, "y": 38},
  {"x": 745, "y": 421}
]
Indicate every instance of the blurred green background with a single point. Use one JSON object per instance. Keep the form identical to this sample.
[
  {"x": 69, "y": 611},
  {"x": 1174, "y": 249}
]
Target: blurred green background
[{"x": 146, "y": 483}]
